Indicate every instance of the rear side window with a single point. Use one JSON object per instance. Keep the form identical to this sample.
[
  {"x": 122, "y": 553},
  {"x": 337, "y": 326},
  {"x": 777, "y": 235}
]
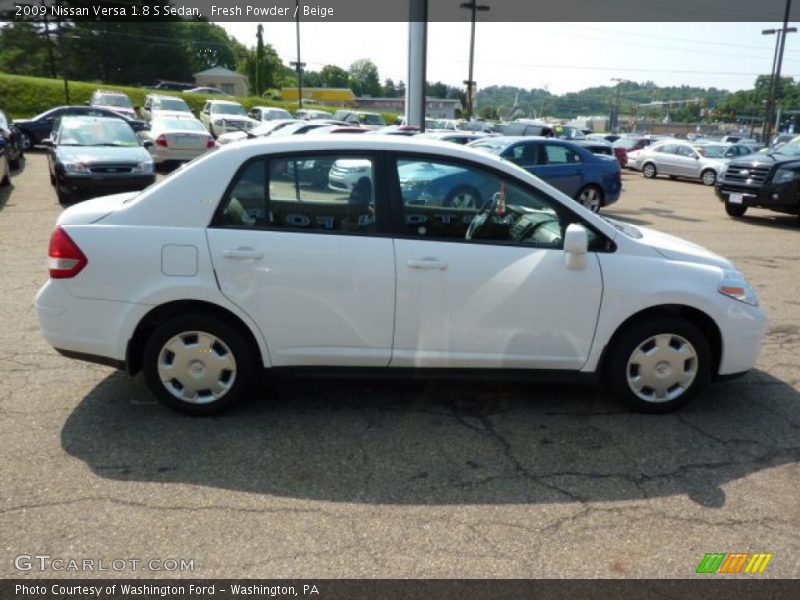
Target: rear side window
[
  {"x": 321, "y": 193},
  {"x": 560, "y": 155}
]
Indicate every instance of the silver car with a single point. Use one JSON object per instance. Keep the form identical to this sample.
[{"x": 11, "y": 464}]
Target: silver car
[{"x": 686, "y": 160}]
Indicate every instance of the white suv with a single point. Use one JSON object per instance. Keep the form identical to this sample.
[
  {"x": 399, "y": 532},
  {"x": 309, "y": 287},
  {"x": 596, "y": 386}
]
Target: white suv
[
  {"x": 223, "y": 116},
  {"x": 247, "y": 259}
]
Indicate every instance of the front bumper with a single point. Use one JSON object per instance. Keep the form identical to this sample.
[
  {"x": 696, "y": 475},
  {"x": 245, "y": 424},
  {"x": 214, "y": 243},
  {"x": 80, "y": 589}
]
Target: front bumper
[
  {"x": 783, "y": 197},
  {"x": 743, "y": 328},
  {"x": 90, "y": 185}
]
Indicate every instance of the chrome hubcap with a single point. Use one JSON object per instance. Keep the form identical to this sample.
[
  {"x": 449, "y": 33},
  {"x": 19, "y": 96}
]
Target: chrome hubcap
[
  {"x": 709, "y": 178},
  {"x": 25, "y": 141},
  {"x": 662, "y": 368},
  {"x": 196, "y": 367},
  {"x": 463, "y": 200},
  {"x": 590, "y": 199}
]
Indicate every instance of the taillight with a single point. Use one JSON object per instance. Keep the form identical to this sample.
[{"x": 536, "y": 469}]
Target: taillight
[
  {"x": 65, "y": 259},
  {"x": 161, "y": 140},
  {"x": 211, "y": 143}
]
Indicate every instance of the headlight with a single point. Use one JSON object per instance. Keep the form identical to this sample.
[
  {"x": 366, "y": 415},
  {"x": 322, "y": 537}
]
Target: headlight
[
  {"x": 143, "y": 167},
  {"x": 784, "y": 176},
  {"x": 219, "y": 121},
  {"x": 75, "y": 168},
  {"x": 734, "y": 285}
]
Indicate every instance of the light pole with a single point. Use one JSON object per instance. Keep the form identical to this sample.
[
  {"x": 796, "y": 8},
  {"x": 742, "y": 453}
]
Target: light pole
[
  {"x": 297, "y": 64},
  {"x": 474, "y": 7},
  {"x": 777, "y": 63}
]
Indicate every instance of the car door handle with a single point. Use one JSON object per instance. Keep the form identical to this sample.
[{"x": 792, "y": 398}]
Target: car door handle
[
  {"x": 428, "y": 262},
  {"x": 243, "y": 254}
]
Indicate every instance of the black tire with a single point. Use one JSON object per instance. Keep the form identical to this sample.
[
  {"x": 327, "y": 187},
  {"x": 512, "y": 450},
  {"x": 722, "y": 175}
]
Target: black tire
[
  {"x": 675, "y": 333},
  {"x": 591, "y": 197},
  {"x": 52, "y": 179},
  {"x": 234, "y": 347},
  {"x": 64, "y": 198},
  {"x": 735, "y": 210},
  {"x": 463, "y": 191},
  {"x": 25, "y": 140},
  {"x": 673, "y": 177},
  {"x": 649, "y": 170},
  {"x": 15, "y": 163},
  {"x": 709, "y": 177}
]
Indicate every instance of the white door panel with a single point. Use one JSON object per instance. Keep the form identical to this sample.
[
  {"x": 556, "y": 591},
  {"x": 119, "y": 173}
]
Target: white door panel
[
  {"x": 490, "y": 306},
  {"x": 318, "y": 299}
]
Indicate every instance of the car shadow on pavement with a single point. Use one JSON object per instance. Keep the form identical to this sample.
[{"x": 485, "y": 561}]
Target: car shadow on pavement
[
  {"x": 442, "y": 443},
  {"x": 771, "y": 220},
  {"x": 5, "y": 194}
]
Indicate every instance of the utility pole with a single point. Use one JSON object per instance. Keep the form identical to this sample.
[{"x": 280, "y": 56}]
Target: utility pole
[
  {"x": 774, "y": 88},
  {"x": 615, "y": 109},
  {"x": 298, "y": 65},
  {"x": 474, "y": 7},
  {"x": 417, "y": 59},
  {"x": 50, "y": 55}
]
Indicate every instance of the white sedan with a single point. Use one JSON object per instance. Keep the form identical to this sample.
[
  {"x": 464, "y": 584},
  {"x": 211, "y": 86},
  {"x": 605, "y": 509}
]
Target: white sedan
[
  {"x": 177, "y": 138},
  {"x": 247, "y": 260}
]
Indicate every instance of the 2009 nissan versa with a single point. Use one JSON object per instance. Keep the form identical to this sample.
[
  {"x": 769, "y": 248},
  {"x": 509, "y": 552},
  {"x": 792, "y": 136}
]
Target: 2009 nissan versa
[{"x": 247, "y": 259}]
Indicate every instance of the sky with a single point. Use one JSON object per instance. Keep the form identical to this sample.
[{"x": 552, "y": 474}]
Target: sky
[{"x": 560, "y": 57}]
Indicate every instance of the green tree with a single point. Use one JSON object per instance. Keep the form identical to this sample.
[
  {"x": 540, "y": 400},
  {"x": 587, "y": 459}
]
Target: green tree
[
  {"x": 23, "y": 50},
  {"x": 364, "y": 79},
  {"x": 335, "y": 77}
]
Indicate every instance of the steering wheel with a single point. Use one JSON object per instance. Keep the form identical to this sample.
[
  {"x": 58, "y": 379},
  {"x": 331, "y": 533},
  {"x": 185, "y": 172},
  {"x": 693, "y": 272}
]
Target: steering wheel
[{"x": 480, "y": 218}]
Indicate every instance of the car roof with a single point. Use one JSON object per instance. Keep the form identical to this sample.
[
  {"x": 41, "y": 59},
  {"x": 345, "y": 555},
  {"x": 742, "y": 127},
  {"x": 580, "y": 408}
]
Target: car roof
[
  {"x": 89, "y": 118},
  {"x": 223, "y": 102}
]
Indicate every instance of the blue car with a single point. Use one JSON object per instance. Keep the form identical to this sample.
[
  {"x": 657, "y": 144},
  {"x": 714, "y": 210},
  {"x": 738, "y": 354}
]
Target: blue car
[{"x": 593, "y": 180}]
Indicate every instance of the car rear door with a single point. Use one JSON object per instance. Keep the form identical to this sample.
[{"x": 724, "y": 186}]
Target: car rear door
[
  {"x": 504, "y": 298},
  {"x": 309, "y": 264}
]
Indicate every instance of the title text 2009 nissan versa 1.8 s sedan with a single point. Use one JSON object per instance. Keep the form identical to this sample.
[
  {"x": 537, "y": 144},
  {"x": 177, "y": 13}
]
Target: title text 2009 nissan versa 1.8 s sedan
[{"x": 248, "y": 259}]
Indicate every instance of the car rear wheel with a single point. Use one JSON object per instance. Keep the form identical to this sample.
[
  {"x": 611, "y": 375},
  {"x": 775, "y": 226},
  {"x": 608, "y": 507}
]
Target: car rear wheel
[
  {"x": 463, "y": 197},
  {"x": 591, "y": 197},
  {"x": 649, "y": 170},
  {"x": 198, "y": 364},
  {"x": 708, "y": 177},
  {"x": 658, "y": 365},
  {"x": 735, "y": 210}
]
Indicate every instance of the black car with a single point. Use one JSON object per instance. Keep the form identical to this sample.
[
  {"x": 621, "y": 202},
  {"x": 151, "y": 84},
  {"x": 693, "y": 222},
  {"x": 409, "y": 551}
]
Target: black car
[
  {"x": 33, "y": 131},
  {"x": 93, "y": 156},
  {"x": 770, "y": 181},
  {"x": 10, "y": 132}
]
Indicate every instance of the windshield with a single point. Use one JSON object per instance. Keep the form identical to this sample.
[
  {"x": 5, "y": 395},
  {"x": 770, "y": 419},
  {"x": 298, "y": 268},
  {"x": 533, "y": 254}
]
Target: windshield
[
  {"x": 180, "y": 125},
  {"x": 228, "y": 109},
  {"x": 118, "y": 100},
  {"x": 171, "y": 104},
  {"x": 105, "y": 132},
  {"x": 711, "y": 151},
  {"x": 371, "y": 119},
  {"x": 791, "y": 149}
]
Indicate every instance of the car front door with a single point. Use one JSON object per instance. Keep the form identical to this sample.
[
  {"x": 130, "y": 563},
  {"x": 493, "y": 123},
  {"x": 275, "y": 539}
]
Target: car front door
[
  {"x": 687, "y": 162},
  {"x": 505, "y": 297},
  {"x": 309, "y": 263}
]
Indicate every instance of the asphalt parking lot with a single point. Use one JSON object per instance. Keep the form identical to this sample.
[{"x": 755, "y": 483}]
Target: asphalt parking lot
[{"x": 380, "y": 479}]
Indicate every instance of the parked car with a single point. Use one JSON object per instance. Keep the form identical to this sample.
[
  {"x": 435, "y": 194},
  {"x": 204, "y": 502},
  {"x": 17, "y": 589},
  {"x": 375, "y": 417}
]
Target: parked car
[
  {"x": 5, "y": 167},
  {"x": 10, "y": 132},
  {"x": 268, "y": 113},
  {"x": 224, "y": 116},
  {"x": 205, "y": 90},
  {"x": 267, "y": 274},
  {"x": 687, "y": 160},
  {"x": 329, "y": 129},
  {"x": 633, "y": 144},
  {"x": 92, "y": 156},
  {"x": 594, "y": 181},
  {"x": 262, "y": 130},
  {"x": 369, "y": 120},
  {"x": 177, "y": 139},
  {"x": 770, "y": 181},
  {"x": 302, "y": 127},
  {"x": 306, "y": 114},
  {"x": 33, "y": 131},
  {"x": 528, "y": 127},
  {"x": 602, "y": 147},
  {"x": 115, "y": 101},
  {"x": 167, "y": 106},
  {"x": 608, "y": 137},
  {"x": 175, "y": 86}
]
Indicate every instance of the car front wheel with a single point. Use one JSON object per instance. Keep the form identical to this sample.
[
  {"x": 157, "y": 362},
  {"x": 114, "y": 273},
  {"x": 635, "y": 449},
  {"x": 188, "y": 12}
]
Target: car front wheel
[
  {"x": 735, "y": 210},
  {"x": 649, "y": 170},
  {"x": 590, "y": 197},
  {"x": 198, "y": 365},
  {"x": 25, "y": 140},
  {"x": 708, "y": 177},
  {"x": 658, "y": 365}
]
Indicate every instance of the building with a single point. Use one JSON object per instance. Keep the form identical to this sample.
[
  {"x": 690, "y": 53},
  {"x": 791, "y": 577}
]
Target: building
[
  {"x": 343, "y": 97},
  {"x": 435, "y": 108},
  {"x": 230, "y": 82}
]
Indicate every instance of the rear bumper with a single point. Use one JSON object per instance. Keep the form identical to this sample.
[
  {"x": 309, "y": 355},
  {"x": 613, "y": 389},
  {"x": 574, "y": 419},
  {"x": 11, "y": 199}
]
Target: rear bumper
[{"x": 161, "y": 154}]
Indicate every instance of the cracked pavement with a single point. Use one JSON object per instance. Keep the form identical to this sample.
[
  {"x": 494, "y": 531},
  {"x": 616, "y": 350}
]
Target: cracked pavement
[{"x": 433, "y": 479}]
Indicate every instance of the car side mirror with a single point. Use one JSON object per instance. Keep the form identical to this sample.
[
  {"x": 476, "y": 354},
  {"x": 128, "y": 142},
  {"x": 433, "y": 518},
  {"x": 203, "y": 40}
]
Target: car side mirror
[
  {"x": 576, "y": 246},
  {"x": 48, "y": 142}
]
